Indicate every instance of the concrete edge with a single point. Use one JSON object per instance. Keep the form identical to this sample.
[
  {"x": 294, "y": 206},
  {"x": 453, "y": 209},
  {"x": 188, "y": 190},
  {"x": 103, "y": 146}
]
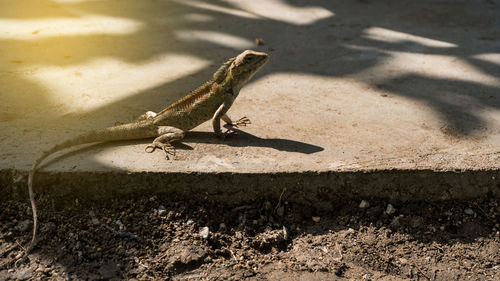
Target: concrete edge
[{"x": 301, "y": 187}]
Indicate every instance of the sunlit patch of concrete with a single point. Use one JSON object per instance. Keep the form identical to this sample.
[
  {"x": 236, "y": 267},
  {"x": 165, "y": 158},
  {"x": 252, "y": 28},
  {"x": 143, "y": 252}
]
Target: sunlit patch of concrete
[
  {"x": 400, "y": 62},
  {"x": 393, "y": 36},
  {"x": 287, "y": 13},
  {"x": 217, "y": 38},
  {"x": 41, "y": 28},
  {"x": 91, "y": 85},
  {"x": 489, "y": 57},
  {"x": 217, "y": 8}
]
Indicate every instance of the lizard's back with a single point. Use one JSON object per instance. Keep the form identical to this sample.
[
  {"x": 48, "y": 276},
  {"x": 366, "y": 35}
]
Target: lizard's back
[{"x": 193, "y": 110}]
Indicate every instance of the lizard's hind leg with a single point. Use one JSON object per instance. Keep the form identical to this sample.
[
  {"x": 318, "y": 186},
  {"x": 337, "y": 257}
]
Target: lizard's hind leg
[{"x": 167, "y": 135}]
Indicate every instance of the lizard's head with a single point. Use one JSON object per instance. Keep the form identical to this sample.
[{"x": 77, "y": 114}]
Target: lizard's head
[{"x": 246, "y": 64}]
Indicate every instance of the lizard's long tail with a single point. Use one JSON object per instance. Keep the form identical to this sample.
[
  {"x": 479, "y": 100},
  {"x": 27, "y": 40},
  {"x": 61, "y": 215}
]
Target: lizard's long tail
[{"x": 138, "y": 130}]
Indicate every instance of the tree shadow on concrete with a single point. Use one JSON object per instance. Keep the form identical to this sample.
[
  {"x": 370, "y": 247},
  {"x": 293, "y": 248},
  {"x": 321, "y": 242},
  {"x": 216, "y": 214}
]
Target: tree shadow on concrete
[{"x": 325, "y": 47}]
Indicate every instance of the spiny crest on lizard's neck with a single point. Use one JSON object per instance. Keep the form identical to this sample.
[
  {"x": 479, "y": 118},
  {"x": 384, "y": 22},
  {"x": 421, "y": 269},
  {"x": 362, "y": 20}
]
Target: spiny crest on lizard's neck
[{"x": 221, "y": 73}]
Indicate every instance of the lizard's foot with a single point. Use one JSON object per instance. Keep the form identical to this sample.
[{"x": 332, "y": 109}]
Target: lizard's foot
[
  {"x": 150, "y": 148},
  {"x": 243, "y": 121},
  {"x": 167, "y": 148}
]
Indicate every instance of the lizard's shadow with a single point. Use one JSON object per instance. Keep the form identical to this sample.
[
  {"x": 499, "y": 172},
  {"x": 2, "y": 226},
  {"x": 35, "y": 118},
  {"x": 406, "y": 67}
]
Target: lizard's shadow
[
  {"x": 241, "y": 139},
  {"x": 244, "y": 139}
]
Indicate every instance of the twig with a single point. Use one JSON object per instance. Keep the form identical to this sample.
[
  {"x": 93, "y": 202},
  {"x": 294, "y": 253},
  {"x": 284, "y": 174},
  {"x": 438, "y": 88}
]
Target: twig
[
  {"x": 279, "y": 201},
  {"x": 420, "y": 270},
  {"x": 485, "y": 214},
  {"x": 339, "y": 249}
]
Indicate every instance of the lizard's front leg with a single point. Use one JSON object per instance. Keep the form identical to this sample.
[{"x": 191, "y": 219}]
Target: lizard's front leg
[
  {"x": 220, "y": 113},
  {"x": 166, "y": 135}
]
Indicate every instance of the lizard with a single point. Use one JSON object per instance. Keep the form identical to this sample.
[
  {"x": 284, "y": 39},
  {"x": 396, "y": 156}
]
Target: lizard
[{"x": 212, "y": 100}]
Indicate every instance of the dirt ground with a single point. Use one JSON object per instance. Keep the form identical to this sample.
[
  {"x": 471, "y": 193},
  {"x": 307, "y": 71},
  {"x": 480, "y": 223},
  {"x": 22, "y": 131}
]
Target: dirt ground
[{"x": 165, "y": 236}]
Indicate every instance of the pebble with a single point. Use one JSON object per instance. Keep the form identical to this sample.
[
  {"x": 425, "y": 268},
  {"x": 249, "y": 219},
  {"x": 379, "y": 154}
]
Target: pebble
[
  {"x": 285, "y": 233},
  {"x": 395, "y": 223},
  {"x": 364, "y": 204},
  {"x": 267, "y": 206},
  {"x": 469, "y": 212},
  {"x": 162, "y": 211},
  {"x": 448, "y": 213},
  {"x": 222, "y": 226},
  {"x": 48, "y": 227},
  {"x": 23, "y": 226},
  {"x": 95, "y": 221},
  {"x": 189, "y": 222},
  {"x": 281, "y": 211},
  {"x": 390, "y": 209},
  {"x": 204, "y": 232},
  {"x": 316, "y": 219}
]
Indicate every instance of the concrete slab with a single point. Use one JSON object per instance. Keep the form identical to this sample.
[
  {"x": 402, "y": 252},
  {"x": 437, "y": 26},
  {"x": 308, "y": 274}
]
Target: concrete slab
[{"x": 352, "y": 86}]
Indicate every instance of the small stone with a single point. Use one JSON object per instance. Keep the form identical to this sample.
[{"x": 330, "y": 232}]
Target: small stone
[
  {"x": 364, "y": 204},
  {"x": 189, "y": 222},
  {"x": 285, "y": 233},
  {"x": 469, "y": 212},
  {"x": 92, "y": 214},
  {"x": 267, "y": 206},
  {"x": 23, "y": 226},
  {"x": 118, "y": 222},
  {"x": 204, "y": 232},
  {"x": 162, "y": 211},
  {"x": 316, "y": 219},
  {"x": 280, "y": 211},
  {"x": 390, "y": 209},
  {"x": 441, "y": 228},
  {"x": 416, "y": 222},
  {"x": 448, "y": 213},
  {"x": 95, "y": 221},
  {"x": 48, "y": 227},
  {"x": 222, "y": 226},
  {"x": 395, "y": 223}
]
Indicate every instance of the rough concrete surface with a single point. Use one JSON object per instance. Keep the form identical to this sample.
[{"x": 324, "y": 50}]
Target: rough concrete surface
[{"x": 363, "y": 88}]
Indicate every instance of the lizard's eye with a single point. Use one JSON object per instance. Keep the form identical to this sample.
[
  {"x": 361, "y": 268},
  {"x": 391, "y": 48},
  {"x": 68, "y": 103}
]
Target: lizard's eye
[{"x": 249, "y": 58}]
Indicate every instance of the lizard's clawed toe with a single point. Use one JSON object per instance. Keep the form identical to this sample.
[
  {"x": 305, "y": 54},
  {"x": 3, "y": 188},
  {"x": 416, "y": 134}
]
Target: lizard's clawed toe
[
  {"x": 150, "y": 148},
  {"x": 169, "y": 150},
  {"x": 243, "y": 121}
]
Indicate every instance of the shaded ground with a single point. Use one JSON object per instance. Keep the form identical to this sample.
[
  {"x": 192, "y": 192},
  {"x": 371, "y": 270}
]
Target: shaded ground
[{"x": 165, "y": 236}]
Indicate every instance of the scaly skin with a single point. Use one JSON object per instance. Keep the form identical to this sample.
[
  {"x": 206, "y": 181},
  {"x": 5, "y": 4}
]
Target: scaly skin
[{"x": 210, "y": 101}]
